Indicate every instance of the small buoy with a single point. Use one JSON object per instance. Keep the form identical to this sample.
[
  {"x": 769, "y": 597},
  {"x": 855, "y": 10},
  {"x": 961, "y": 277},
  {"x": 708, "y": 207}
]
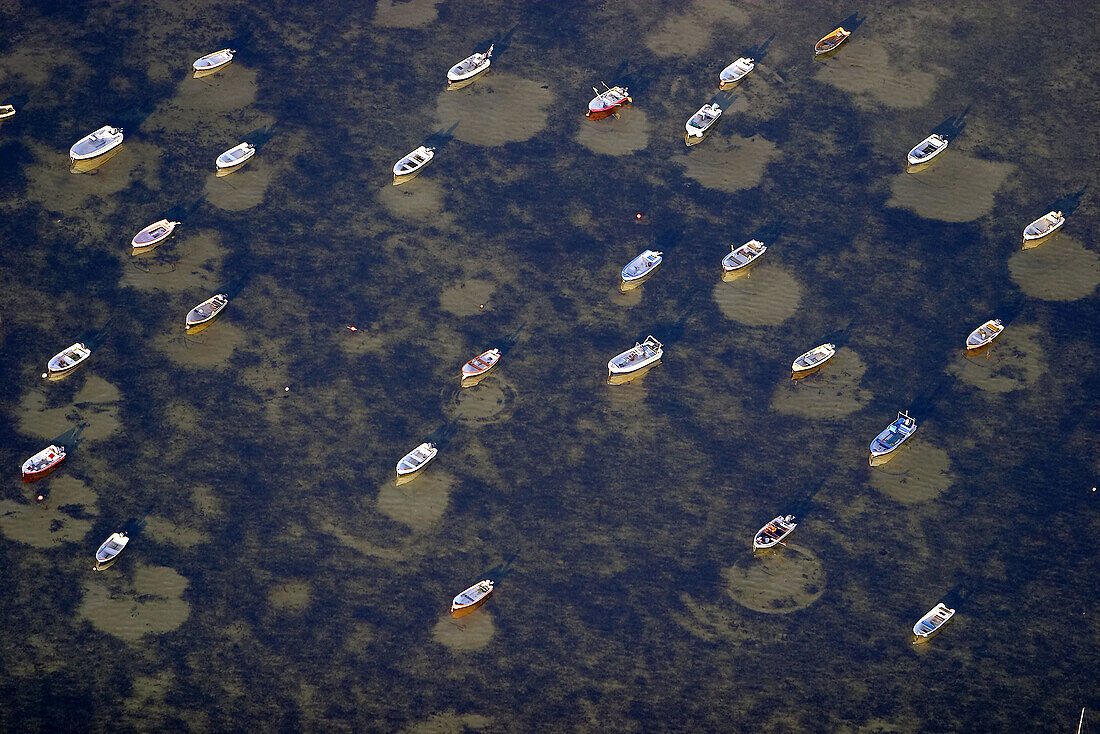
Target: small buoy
[
  {"x": 349, "y": 327},
  {"x": 40, "y": 497},
  {"x": 481, "y": 305},
  {"x": 45, "y": 374},
  {"x": 286, "y": 389},
  {"x": 638, "y": 216}
]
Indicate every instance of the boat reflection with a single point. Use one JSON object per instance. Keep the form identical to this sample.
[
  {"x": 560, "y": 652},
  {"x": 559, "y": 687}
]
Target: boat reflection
[
  {"x": 465, "y": 382},
  {"x": 625, "y": 286},
  {"x": 467, "y": 82},
  {"x": 621, "y": 378},
  {"x": 728, "y": 276},
  {"x": 406, "y": 478},
  {"x": 923, "y": 166},
  {"x": 223, "y": 172},
  {"x": 806, "y": 373},
  {"x": 691, "y": 140},
  {"x": 884, "y": 458},
  {"x": 406, "y": 177},
  {"x": 91, "y": 165}
]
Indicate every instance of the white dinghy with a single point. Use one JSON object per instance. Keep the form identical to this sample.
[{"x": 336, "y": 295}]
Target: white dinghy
[
  {"x": 416, "y": 459},
  {"x": 698, "y": 124},
  {"x": 214, "y": 61},
  {"x": 67, "y": 360},
  {"x": 470, "y": 66},
  {"x": 205, "y": 312},
  {"x": 894, "y": 435},
  {"x": 6, "y": 111},
  {"x": 471, "y": 598},
  {"x": 774, "y": 532},
  {"x": 637, "y": 357},
  {"x": 932, "y": 622},
  {"x": 154, "y": 234},
  {"x": 235, "y": 156},
  {"x": 984, "y": 334},
  {"x": 641, "y": 266},
  {"x": 109, "y": 551},
  {"x": 736, "y": 71},
  {"x": 927, "y": 149},
  {"x": 743, "y": 256},
  {"x": 1043, "y": 226},
  {"x": 413, "y": 162},
  {"x": 481, "y": 364},
  {"x": 96, "y": 144},
  {"x": 814, "y": 358}
]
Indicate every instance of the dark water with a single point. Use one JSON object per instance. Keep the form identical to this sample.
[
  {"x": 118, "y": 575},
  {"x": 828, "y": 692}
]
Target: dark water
[{"x": 278, "y": 579}]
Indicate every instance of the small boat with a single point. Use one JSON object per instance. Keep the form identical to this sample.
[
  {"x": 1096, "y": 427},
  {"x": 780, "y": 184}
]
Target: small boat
[
  {"x": 698, "y": 124},
  {"x": 95, "y": 144},
  {"x": 894, "y": 435},
  {"x": 110, "y": 549},
  {"x": 743, "y": 256},
  {"x": 213, "y": 61},
  {"x": 154, "y": 234},
  {"x": 235, "y": 156},
  {"x": 416, "y": 459},
  {"x": 470, "y": 66},
  {"x": 413, "y": 162},
  {"x": 831, "y": 41},
  {"x": 67, "y": 360},
  {"x": 814, "y": 358},
  {"x": 481, "y": 364},
  {"x": 984, "y": 334},
  {"x": 637, "y": 357},
  {"x": 206, "y": 311},
  {"x": 735, "y": 72},
  {"x": 927, "y": 149},
  {"x": 774, "y": 532},
  {"x": 471, "y": 598},
  {"x": 6, "y": 111},
  {"x": 606, "y": 102},
  {"x": 641, "y": 266},
  {"x": 931, "y": 623},
  {"x": 42, "y": 463},
  {"x": 1043, "y": 226}
]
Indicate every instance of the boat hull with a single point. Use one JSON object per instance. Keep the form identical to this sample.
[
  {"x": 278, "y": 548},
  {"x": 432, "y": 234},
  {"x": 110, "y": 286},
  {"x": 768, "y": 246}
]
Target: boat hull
[
  {"x": 213, "y": 62},
  {"x": 197, "y": 319},
  {"x": 602, "y": 112},
  {"x": 822, "y": 354},
  {"x": 33, "y": 475},
  {"x": 472, "y": 598},
  {"x": 153, "y": 235}
]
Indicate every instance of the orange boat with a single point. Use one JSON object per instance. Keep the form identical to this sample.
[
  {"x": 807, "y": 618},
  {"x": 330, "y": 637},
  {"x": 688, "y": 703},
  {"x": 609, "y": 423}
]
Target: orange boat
[
  {"x": 831, "y": 41},
  {"x": 471, "y": 598}
]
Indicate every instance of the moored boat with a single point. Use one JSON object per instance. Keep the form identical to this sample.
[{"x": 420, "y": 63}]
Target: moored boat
[
  {"x": 471, "y": 598},
  {"x": 736, "y": 71},
  {"x": 470, "y": 66},
  {"x": 6, "y": 111},
  {"x": 774, "y": 532},
  {"x": 109, "y": 551},
  {"x": 606, "y": 102},
  {"x": 154, "y": 234},
  {"x": 933, "y": 621},
  {"x": 926, "y": 150},
  {"x": 206, "y": 311},
  {"x": 641, "y": 355},
  {"x": 894, "y": 435},
  {"x": 481, "y": 364},
  {"x": 743, "y": 256},
  {"x": 67, "y": 360},
  {"x": 984, "y": 334},
  {"x": 698, "y": 124},
  {"x": 416, "y": 459},
  {"x": 641, "y": 266},
  {"x": 214, "y": 61},
  {"x": 813, "y": 359},
  {"x": 1043, "y": 226},
  {"x": 96, "y": 144},
  {"x": 413, "y": 162},
  {"x": 235, "y": 156},
  {"x": 42, "y": 463},
  {"x": 831, "y": 41}
]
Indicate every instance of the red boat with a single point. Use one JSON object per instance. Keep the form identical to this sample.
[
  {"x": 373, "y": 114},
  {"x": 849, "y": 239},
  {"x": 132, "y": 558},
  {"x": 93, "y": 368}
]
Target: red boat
[
  {"x": 42, "y": 463},
  {"x": 605, "y": 103},
  {"x": 481, "y": 364}
]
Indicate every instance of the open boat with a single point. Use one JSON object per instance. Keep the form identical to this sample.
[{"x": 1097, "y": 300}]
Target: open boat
[
  {"x": 927, "y": 149},
  {"x": 638, "y": 356},
  {"x": 698, "y": 124},
  {"x": 235, "y": 156},
  {"x": 42, "y": 463},
  {"x": 96, "y": 144},
  {"x": 1043, "y": 226},
  {"x": 110, "y": 549},
  {"x": 214, "y": 61},
  {"x": 641, "y": 266},
  {"x": 67, "y": 360},
  {"x": 481, "y": 364},
  {"x": 206, "y": 311},
  {"x": 606, "y": 102},
  {"x": 154, "y": 234},
  {"x": 813, "y": 359},
  {"x": 416, "y": 459},
  {"x": 831, "y": 41},
  {"x": 735, "y": 72},
  {"x": 6, "y": 111},
  {"x": 471, "y": 598},
  {"x": 743, "y": 256},
  {"x": 413, "y": 162},
  {"x": 932, "y": 622},
  {"x": 984, "y": 334},
  {"x": 894, "y": 435},
  {"x": 774, "y": 532},
  {"x": 470, "y": 66}
]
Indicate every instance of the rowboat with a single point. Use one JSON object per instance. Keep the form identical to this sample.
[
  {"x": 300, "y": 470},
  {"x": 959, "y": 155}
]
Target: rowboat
[
  {"x": 1043, "y": 226},
  {"x": 471, "y": 598},
  {"x": 67, "y": 360},
  {"x": 470, "y": 66},
  {"x": 894, "y": 435},
  {"x": 774, "y": 532},
  {"x": 831, "y": 41},
  {"x": 206, "y": 311},
  {"x": 606, "y": 102},
  {"x": 698, "y": 124},
  {"x": 735, "y": 72},
  {"x": 413, "y": 162},
  {"x": 214, "y": 61},
  {"x": 42, "y": 463},
  {"x": 154, "y": 234},
  {"x": 6, "y": 111},
  {"x": 481, "y": 364},
  {"x": 235, "y": 156},
  {"x": 813, "y": 359},
  {"x": 641, "y": 266},
  {"x": 743, "y": 256},
  {"x": 110, "y": 549},
  {"x": 932, "y": 622},
  {"x": 95, "y": 144},
  {"x": 637, "y": 357},
  {"x": 927, "y": 149},
  {"x": 984, "y": 334},
  {"x": 416, "y": 459}
]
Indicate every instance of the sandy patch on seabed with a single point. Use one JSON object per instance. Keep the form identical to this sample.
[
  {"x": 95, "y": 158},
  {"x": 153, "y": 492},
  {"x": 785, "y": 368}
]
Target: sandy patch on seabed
[
  {"x": 488, "y": 401},
  {"x": 419, "y": 503},
  {"x": 421, "y": 199},
  {"x": 954, "y": 188},
  {"x": 1061, "y": 269},
  {"x": 1013, "y": 362},
  {"x": 467, "y": 298},
  {"x": 188, "y": 261},
  {"x": 832, "y": 392},
  {"x": 405, "y": 14},
  {"x": 765, "y": 296},
  {"x": 688, "y": 30},
  {"x": 862, "y": 68},
  {"x": 919, "y": 472},
  {"x": 449, "y": 722},
  {"x": 783, "y": 581},
  {"x": 620, "y": 134},
  {"x": 465, "y": 634},
  {"x": 94, "y": 405},
  {"x": 503, "y": 108},
  {"x": 729, "y": 165},
  {"x": 46, "y": 524},
  {"x": 152, "y": 603}
]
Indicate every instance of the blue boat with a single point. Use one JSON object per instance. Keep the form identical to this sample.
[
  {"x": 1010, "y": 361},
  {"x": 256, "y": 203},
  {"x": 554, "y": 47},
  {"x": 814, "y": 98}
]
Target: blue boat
[
  {"x": 641, "y": 266},
  {"x": 894, "y": 435}
]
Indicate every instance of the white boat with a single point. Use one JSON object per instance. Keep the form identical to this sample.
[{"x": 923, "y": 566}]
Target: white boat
[
  {"x": 235, "y": 156},
  {"x": 413, "y": 162},
  {"x": 6, "y": 111},
  {"x": 743, "y": 256},
  {"x": 470, "y": 66},
  {"x": 931, "y": 623},
  {"x": 774, "y": 532},
  {"x": 927, "y": 149},
  {"x": 42, "y": 463},
  {"x": 894, "y": 435},
  {"x": 213, "y": 61},
  {"x": 481, "y": 364},
  {"x": 154, "y": 234},
  {"x": 984, "y": 334},
  {"x": 606, "y": 102},
  {"x": 698, "y": 124},
  {"x": 641, "y": 266},
  {"x": 471, "y": 598},
  {"x": 1044, "y": 226},
  {"x": 638, "y": 356},
  {"x": 109, "y": 550},
  {"x": 206, "y": 311},
  {"x": 813, "y": 358},
  {"x": 67, "y": 359},
  {"x": 96, "y": 144},
  {"x": 416, "y": 459},
  {"x": 736, "y": 71}
]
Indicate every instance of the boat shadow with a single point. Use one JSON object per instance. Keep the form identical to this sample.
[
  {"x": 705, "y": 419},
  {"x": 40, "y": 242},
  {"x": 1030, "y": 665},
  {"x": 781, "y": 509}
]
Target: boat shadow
[{"x": 623, "y": 378}]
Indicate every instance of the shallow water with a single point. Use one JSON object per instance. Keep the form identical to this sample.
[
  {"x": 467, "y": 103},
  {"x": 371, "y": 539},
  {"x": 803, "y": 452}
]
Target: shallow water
[{"x": 278, "y": 577}]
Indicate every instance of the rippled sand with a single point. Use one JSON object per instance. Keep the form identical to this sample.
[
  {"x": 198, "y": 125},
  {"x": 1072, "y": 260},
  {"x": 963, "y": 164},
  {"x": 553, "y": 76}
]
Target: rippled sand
[
  {"x": 779, "y": 582},
  {"x": 688, "y": 30},
  {"x": 626, "y": 132},
  {"x": 421, "y": 502},
  {"x": 501, "y": 108},
  {"x": 465, "y": 634},
  {"x": 1061, "y": 269},
  {"x": 1013, "y": 362},
  {"x": 488, "y": 401},
  {"x": 405, "y": 14},
  {"x": 954, "y": 188},
  {"x": 152, "y": 603},
  {"x": 766, "y": 296},
  {"x": 919, "y": 472},
  {"x": 730, "y": 164},
  {"x": 834, "y": 391},
  {"x": 863, "y": 68},
  {"x": 66, "y": 516}
]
